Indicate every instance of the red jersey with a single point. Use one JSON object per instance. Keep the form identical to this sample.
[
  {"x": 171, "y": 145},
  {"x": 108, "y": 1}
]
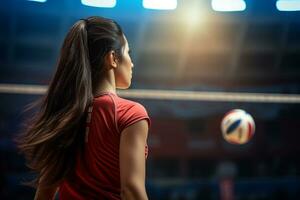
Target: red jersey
[{"x": 97, "y": 172}]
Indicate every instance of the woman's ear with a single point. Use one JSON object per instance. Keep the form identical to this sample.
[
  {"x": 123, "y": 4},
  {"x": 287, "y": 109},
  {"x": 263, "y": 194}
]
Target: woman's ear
[{"x": 111, "y": 60}]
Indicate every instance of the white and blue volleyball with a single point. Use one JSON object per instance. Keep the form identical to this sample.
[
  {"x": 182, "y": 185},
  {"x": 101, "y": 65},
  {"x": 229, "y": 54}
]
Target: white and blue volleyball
[{"x": 237, "y": 127}]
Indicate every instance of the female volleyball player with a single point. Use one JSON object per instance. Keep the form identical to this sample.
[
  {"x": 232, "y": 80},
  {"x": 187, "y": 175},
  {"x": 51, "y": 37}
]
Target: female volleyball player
[{"x": 86, "y": 142}]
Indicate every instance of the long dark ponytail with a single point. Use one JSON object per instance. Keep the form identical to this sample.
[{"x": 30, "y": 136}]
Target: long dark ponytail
[{"x": 55, "y": 134}]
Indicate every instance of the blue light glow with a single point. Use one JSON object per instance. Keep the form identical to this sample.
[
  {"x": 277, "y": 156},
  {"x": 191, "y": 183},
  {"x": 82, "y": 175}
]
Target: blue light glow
[
  {"x": 228, "y": 5},
  {"x": 99, "y": 3},
  {"x": 160, "y": 4},
  {"x": 288, "y": 5}
]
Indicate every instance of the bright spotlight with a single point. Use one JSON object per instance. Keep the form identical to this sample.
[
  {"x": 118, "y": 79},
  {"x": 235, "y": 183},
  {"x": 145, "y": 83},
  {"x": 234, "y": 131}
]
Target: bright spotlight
[
  {"x": 40, "y": 1},
  {"x": 160, "y": 4},
  {"x": 288, "y": 5},
  {"x": 228, "y": 5},
  {"x": 99, "y": 3},
  {"x": 193, "y": 17}
]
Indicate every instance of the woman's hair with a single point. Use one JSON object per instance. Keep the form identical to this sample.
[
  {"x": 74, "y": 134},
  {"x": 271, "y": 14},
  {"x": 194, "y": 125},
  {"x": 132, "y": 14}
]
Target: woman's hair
[{"x": 55, "y": 134}]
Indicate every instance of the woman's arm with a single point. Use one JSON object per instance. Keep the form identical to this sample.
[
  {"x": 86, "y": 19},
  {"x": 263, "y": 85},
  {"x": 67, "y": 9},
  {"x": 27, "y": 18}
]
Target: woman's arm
[{"x": 132, "y": 161}]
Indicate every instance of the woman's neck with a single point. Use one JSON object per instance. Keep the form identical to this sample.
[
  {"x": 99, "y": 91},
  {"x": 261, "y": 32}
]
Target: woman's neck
[{"x": 107, "y": 84}]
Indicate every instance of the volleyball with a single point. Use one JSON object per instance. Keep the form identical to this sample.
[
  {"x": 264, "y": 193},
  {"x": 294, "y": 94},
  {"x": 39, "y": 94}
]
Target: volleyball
[{"x": 237, "y": 126}]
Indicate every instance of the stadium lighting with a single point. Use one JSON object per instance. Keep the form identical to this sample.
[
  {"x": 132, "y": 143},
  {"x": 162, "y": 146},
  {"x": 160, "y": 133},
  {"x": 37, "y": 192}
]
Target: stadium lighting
[
  {"x": 41, "y": 1},
  {"x": 288, "y": 5},
  {"x": 99, "y": 3},
  {"x": 160, "y": 4},
  {"x": 228, "y": 5}
]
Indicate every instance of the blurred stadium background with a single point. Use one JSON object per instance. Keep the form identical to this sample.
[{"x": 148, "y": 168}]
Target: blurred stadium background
[{"x": 190, "y": 46}]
